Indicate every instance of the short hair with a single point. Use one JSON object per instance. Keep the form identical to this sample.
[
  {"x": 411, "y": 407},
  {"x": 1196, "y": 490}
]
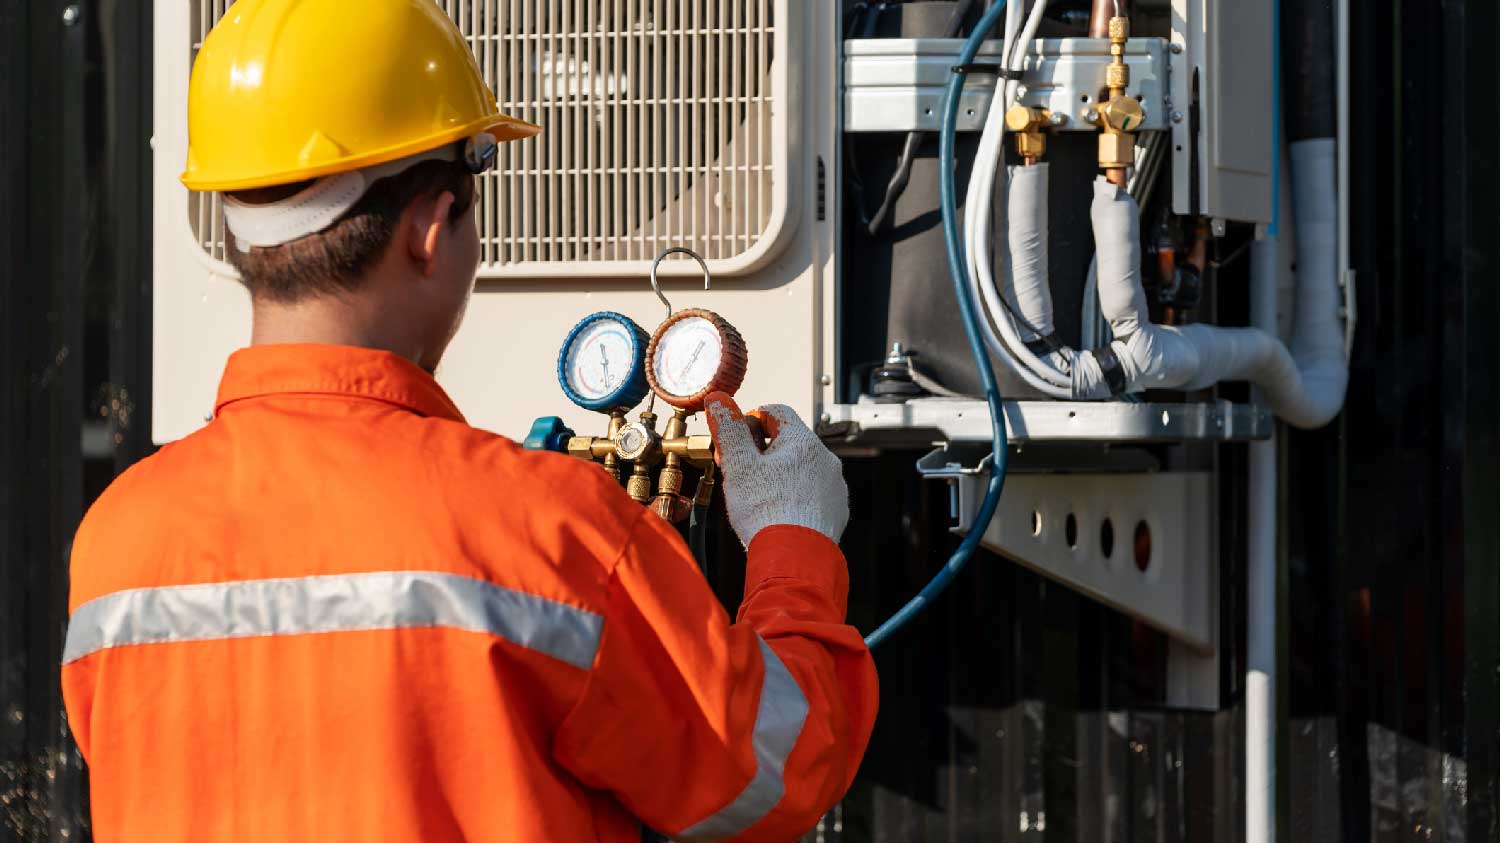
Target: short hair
[{"x": 336, "y": 259}]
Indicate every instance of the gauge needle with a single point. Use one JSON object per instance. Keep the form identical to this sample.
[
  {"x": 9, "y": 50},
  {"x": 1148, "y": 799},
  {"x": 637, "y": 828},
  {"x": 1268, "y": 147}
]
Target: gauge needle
[
  {"x": 604, "y": 356},
  {"x": 693, "y": 358}
]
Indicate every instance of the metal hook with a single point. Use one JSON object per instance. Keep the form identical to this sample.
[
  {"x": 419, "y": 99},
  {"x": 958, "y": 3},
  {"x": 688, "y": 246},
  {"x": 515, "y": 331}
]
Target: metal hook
[{"x": 677, "y": 250}]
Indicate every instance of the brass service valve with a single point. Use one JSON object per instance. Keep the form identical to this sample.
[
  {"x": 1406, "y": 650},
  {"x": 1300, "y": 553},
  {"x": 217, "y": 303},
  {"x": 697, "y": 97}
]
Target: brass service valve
[
  {"x": 1121, "y": 114},
  {"x": 1027, "y": 122}
]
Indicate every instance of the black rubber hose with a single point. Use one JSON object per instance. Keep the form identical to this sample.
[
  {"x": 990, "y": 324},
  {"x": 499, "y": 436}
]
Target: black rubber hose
[
  {"x": 899, "y": 179},
  {"x": 1307, "y": 68}
]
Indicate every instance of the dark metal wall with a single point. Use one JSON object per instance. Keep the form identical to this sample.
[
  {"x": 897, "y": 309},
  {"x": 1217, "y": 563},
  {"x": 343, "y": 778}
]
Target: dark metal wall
[
  {"x": 74, "y": 340},
  {"x": 1395, "y": 550}
]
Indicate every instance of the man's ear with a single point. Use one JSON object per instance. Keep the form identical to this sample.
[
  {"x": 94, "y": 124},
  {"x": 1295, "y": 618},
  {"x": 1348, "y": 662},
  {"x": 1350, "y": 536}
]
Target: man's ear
[{"x": 424, "y": 225}]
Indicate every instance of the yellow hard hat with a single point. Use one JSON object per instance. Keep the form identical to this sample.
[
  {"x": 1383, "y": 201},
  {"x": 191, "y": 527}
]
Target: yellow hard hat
[{"x": 288, "y": 90}]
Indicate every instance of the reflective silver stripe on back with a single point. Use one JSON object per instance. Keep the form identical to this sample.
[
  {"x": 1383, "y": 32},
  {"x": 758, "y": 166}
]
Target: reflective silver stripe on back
[
  {"x": 334, "y": 603},
  {"x": 778, "y": 723}
]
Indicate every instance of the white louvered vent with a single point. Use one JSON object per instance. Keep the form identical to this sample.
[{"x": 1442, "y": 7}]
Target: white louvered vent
[{"x": 660, "y": 129}]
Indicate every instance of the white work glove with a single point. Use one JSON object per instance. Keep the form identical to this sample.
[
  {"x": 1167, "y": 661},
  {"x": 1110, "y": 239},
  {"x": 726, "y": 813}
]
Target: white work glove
[{"x": 795, "y": 480}]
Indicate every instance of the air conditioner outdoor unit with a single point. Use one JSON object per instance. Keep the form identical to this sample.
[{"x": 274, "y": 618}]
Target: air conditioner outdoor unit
[{"x": 707, "y": 124}]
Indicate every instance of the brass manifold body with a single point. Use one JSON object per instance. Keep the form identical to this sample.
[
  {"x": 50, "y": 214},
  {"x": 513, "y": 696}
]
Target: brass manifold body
[
  {"x": 1121, "y": 113},
  {"x": 638, "y": 446}
]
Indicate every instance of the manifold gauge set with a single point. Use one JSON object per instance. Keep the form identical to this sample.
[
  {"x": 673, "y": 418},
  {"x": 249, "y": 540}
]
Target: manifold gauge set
[{"x": 609, "y": 364}]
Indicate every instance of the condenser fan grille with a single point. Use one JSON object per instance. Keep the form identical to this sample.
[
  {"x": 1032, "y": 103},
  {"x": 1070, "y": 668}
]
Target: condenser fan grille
[{"x": 658, "y": 119}]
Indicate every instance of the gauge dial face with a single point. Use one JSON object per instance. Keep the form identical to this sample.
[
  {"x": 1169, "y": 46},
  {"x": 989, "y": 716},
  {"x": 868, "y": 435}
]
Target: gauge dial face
[
  {"x": 601, "y": 357},
  {"x": 687, "y": 356}
]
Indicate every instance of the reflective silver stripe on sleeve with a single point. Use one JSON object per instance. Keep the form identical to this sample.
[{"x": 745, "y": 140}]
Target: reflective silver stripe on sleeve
[
  {"x": 778, "y": 723},
  {"x": 335, "y": 603}
]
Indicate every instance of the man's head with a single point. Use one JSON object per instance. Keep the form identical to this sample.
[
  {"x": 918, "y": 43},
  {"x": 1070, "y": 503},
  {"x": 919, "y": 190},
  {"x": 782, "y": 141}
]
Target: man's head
[
  {"x": 345, "y": 146},
  {"x": 406, "y": 251}
]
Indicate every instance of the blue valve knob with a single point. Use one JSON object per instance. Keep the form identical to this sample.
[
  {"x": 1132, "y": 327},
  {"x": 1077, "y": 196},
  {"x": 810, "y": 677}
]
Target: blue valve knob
[{"x": 547, "y": 433}]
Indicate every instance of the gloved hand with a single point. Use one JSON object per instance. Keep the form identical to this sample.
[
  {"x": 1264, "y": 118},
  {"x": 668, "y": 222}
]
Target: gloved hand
[{"x": 795, "y": 480}]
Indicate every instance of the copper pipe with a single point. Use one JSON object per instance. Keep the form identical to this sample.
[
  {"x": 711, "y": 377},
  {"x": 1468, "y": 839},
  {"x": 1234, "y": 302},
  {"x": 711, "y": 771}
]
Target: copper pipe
[
  {"x": 1198, "y": 252},
  {"x": 1029, "y": 160},
  {"x": 1102, "y": 11},
  {"x": 1116, "y": 176}
]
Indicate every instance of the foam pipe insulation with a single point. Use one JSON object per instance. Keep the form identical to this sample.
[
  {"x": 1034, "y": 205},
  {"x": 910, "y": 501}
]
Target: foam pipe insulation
[
  {"x": 1028, "y": 291},
  {"x": 1304, "y": 385}
]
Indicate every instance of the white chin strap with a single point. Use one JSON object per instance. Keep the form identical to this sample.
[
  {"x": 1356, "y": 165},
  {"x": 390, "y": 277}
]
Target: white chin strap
[{"x": 321, "y": 203}]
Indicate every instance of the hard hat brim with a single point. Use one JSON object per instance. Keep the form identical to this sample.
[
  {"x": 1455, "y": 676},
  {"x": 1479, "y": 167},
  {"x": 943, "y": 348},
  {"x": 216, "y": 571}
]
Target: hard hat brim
[{"x": 503, "y": 127}]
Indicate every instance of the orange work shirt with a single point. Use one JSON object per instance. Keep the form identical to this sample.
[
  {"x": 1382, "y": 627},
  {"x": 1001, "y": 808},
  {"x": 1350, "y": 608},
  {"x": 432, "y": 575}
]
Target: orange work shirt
[{"x": 338, "y": 612}]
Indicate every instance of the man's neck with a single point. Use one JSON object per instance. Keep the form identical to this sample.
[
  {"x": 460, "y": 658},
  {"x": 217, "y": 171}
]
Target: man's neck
[{"x": 330, "y": 320}]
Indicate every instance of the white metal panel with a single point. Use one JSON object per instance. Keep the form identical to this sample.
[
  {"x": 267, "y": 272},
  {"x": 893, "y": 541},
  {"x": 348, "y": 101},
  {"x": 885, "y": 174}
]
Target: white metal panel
[
  {"x": 1222, "y": 149},
  {"x": 1176, "y": 592}
]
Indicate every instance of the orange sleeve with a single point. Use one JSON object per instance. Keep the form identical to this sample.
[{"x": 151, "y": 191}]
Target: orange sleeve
[{"x": 708, "y": 730}]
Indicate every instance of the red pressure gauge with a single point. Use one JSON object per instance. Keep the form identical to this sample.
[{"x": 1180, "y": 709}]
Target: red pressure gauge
[{"x": 693, "y": 353}]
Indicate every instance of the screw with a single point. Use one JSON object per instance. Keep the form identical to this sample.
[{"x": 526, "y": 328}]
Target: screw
[
  {"x": 825, "y": 418},
  {"x": 826, "y": 380},
  {"x": 1090, "y": 115},
  {"x": 70, "y": 15},
  {"x": 1177, "y": 116},
  {"x": 1058, "y": 119},
  {"x": 1218, "y": 227},
  {"x": 1177, "y": 49}
]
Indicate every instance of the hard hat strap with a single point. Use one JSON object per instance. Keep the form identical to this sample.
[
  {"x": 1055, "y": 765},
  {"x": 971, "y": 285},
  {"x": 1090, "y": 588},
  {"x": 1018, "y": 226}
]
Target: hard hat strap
[{"x": 321, "y": 203}]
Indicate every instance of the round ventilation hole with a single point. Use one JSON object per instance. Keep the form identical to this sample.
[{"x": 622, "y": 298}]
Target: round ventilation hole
[
  {"x": 1070, "y": 531},
  {"x": 1142, "y": 546},
  {"x": 1107, "y": 538}
]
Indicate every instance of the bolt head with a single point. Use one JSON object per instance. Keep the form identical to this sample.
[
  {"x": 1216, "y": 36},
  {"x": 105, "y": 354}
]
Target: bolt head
[
  {"x": 1177, "y": 117},
  {"x": 70, "y": 15},
  {"x": 1177, "y": 49},
  {"x": 1058, "y": 119}
]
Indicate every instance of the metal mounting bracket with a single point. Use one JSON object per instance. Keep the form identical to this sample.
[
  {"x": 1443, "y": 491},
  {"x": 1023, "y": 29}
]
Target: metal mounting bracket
[
  {"x": 926, "y": 420},
  {"x": 1143, "y": 544}
]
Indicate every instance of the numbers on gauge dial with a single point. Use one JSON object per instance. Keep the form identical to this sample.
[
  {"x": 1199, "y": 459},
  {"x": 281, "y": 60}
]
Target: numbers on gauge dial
[
  {"x": 687, "y": 356},
  {"x": 599, "y": 359}
]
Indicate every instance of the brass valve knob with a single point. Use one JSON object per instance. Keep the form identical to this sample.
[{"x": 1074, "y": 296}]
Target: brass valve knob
[{"x": 1124, "y": 114}]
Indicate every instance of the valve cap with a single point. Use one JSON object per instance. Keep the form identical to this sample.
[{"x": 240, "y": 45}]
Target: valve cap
[{"x": 547, "y": 433}]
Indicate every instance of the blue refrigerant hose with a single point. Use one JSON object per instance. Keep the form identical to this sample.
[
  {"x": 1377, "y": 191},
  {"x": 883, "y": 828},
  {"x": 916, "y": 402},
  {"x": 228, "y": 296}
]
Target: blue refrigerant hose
[{"x": 958, "y": 269}]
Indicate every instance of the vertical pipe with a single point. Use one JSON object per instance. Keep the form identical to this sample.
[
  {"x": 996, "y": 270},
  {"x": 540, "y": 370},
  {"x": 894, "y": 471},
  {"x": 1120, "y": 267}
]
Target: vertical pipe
[
  {"x": 1260, "y": 597},
  {"x": 1100, "y": 14},
  {"x": 1260, "y": 570},
  {"x": 1341, "y": 125}
]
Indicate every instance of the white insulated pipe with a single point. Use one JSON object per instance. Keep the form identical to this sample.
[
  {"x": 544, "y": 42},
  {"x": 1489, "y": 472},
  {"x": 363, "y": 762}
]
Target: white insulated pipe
[
  {"x": 1305, "y": 385},
  {"x": 1028, "y": 291}
]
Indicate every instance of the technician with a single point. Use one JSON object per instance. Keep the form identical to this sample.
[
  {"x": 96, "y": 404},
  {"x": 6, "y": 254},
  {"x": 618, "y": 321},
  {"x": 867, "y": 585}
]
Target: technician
[{"x": 340, "y": 613}]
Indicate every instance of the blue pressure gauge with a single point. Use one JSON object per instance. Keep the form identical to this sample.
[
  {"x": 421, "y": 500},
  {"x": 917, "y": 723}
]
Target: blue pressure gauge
[{"x": 602, "y": 365}]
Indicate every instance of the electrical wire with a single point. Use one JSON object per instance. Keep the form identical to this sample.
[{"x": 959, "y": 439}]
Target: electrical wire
[
  {"x": 981, "y": 202},
  {"x": 999, "y": 446},
  {"x": 902, "y": 176}
]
